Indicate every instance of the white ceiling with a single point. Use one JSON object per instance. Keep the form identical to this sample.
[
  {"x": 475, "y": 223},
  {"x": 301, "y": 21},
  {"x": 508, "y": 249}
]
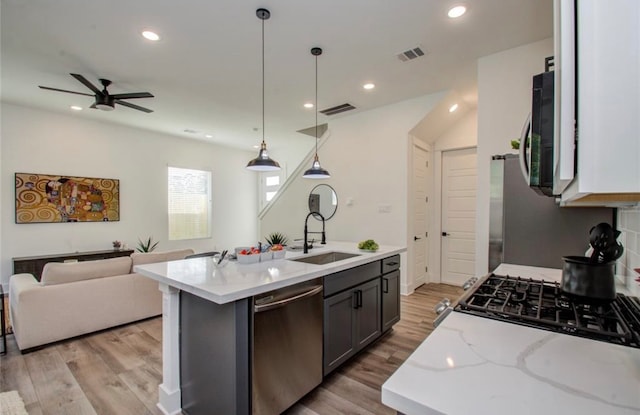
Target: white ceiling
[{"x": 205, "y": 72}]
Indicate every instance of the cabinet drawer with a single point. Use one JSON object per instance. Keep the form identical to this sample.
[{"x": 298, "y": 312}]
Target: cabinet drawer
[
  {"x": 390, "y": 264},
  {"x": 348, "y": 278}
]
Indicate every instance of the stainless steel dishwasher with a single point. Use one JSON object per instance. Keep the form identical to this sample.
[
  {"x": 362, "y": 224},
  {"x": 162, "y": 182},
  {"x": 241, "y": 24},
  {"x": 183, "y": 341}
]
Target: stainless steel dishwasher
[{"x": 287, "y": 348}]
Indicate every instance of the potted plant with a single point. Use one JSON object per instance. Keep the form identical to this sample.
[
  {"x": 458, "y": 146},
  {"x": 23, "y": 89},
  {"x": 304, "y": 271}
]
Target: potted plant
[
  {"x": 276, "y": 238},
  {"x": 146, "y": 246},
  {"x": 277, "y": 241}
]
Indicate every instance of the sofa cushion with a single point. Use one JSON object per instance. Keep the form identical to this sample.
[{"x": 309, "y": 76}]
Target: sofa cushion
[
  {"x": 61, "y": 273},
  {"x": 141, "y": 258}
]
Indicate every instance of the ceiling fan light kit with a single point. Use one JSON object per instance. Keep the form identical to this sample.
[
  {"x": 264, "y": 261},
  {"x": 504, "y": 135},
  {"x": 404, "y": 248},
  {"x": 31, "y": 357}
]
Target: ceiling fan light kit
[
  {"x": 316, "y": 171},
  {"x": 103, "y": 99},
  {"x": 263, "y": 162}
]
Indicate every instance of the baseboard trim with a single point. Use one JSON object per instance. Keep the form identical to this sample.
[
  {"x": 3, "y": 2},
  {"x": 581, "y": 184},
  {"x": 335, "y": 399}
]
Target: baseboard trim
[
  {"x": 408, "y": 289},
  {"x": 169, "y": 402}
]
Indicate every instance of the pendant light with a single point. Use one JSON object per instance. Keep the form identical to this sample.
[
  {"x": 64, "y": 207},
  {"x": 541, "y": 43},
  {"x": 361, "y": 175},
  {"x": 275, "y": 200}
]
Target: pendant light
[
  {"x": 263, "y": 162},
  {"x": 316, "y": 171}
]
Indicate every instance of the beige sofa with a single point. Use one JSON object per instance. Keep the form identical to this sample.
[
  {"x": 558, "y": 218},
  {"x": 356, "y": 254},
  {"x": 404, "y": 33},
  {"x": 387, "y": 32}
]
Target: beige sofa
[{"x": 82, "y": 297}]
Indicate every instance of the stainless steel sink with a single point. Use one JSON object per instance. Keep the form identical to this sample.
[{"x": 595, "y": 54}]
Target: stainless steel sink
[{"x": 325, "y": 258}]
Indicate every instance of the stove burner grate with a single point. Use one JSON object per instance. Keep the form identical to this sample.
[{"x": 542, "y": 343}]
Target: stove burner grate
[{"x": 542, "y": 304}]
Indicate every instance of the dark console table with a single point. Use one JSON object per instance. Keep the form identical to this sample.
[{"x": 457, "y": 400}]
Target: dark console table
[{"x": 35, "y": 264}]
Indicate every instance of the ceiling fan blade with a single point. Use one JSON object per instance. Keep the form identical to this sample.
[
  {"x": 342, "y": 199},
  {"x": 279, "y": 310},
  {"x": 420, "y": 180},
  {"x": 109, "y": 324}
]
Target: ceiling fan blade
[
  {"x": 135, "y": 107},
  {"x": 86, "y": 83},
  {"x": 133, "y": 95},
  {"x": 64, "y": 90}
]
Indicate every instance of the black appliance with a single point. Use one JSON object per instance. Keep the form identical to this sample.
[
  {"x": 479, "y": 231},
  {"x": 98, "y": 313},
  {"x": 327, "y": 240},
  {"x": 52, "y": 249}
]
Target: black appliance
[
  {"x": 538, "y": 164},
  {"x": 543, "y": 305}
]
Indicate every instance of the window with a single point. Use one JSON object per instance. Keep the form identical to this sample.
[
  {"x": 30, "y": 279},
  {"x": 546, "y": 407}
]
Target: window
[
  {"x": 270, "y": 183},
  {"x": 189, "y": 203}
]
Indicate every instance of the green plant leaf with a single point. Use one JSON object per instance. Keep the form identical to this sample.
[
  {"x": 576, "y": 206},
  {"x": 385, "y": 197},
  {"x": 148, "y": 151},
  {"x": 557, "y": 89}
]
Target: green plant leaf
[
  {"x": 276, "y": 238},
  {"x": 147, "y": 245}
]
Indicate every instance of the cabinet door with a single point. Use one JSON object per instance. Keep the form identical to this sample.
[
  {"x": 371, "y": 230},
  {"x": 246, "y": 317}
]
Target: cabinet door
[
  {"x": 608, "y": 103},
  {"x": 339, "y": 329},
  {"x": 368, "y": 326},
  {"x": 390, "y": 299}
]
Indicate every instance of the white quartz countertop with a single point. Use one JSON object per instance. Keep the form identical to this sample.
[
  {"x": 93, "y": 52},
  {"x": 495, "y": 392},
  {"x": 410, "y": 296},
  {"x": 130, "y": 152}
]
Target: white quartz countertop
[
  {"x": 471, "y": 364},
  {"x": 236, "y": 281}
]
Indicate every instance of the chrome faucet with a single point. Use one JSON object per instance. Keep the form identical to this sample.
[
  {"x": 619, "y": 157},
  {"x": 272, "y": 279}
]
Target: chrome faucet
[{"x": 306, "y": 231}]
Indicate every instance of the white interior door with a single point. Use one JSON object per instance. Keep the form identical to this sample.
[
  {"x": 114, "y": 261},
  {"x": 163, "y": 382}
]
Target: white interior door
[
  {"x": 459, "y": 171},
  {"x": 420, "y": 214}
]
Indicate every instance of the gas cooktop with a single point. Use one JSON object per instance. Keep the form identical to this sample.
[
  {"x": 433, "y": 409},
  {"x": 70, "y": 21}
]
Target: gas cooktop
[{"x": 542, "y": 304}]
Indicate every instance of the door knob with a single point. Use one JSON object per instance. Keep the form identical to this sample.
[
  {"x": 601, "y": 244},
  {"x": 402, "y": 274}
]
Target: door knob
[
  {"x": 415, "y": 238},
  {"x": 445, "y": 234}
]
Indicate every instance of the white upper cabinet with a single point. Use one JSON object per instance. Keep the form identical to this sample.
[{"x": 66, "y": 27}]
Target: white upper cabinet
[{"x": 607, "y": 108}]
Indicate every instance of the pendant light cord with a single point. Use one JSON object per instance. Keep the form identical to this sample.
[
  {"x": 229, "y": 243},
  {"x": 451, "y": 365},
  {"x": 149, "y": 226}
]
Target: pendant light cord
[
  {"x": 316, "y": 107},
  {"x": 263, "y": 83}
]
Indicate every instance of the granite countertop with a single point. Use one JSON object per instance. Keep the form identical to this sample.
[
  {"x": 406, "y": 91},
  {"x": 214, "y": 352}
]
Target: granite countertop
[
  {"x": 236, "y": 281},
  {"x": 471, "y": 364}
]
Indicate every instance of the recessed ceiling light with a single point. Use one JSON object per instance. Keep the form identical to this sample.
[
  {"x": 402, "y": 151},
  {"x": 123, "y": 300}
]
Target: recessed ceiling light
[
  {"x": 456, "y": 11},
  {"x": 208, "y": 136},
  {"x": 453, "y": 107},
  {"x": 308, "y": 105},
  {"x": 76, "y": 108},
  {"x": 369, "y": 86},
  {"x": 147, "y": 34}
]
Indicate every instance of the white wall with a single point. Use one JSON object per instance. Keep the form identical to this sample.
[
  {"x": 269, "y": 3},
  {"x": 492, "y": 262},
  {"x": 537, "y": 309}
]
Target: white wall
[
  {"x": 504, "y": 101},
  {"x": 366, "y": 154},
  {"x": 463, "y": 134},
  {"x": 34, "y": 141}
]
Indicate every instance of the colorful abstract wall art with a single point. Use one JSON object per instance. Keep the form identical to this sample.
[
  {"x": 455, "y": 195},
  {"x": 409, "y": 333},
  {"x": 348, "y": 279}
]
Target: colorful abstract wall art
[{"x": 42, "y": 198}]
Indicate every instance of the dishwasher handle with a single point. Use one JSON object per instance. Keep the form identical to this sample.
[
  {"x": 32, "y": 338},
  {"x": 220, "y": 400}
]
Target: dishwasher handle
[{"x": 285, "y": 301}]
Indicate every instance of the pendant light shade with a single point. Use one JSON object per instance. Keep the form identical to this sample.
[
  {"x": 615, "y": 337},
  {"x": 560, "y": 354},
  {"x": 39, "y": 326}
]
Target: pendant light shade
[
  {"x": 316, "y": 171},
  {"x": 263, "y": 162}
]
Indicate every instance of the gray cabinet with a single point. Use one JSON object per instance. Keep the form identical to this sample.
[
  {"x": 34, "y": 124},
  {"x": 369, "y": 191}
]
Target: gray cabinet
[
  {"x": 368, "y": 309},
  {"x": 352, "y": 312},
  {"x": 390, "y": 299},
  {"x": 390, "y": 292},
  {"x": 339, "y": 328}
]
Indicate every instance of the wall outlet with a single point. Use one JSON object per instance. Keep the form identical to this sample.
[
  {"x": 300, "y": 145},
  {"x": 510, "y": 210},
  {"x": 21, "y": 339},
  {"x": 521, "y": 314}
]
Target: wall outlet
[{"x": 384, "y": 208}]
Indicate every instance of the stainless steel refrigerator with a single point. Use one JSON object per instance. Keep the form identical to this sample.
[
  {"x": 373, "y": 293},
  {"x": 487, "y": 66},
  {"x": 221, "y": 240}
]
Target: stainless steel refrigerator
[{"x": 527, "y": 228}]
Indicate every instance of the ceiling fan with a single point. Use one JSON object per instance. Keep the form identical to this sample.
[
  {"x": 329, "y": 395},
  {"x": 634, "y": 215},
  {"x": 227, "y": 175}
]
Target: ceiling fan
[{"x": 104, "y": 100}]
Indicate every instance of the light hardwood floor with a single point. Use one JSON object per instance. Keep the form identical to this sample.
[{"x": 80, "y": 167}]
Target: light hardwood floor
[{"x": 118, "y": 371}]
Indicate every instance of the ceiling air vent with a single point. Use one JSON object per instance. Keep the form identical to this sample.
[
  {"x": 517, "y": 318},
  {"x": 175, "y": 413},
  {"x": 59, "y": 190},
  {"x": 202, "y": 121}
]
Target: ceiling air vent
[
  {"x": 338, "y": 109},
  {"x": 411, "y": 54}
]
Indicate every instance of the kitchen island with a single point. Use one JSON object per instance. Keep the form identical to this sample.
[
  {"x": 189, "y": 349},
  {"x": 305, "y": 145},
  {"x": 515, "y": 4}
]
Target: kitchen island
[
  {"x": 471, "y": 364},
  {"x": 227, "y": 292}
]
